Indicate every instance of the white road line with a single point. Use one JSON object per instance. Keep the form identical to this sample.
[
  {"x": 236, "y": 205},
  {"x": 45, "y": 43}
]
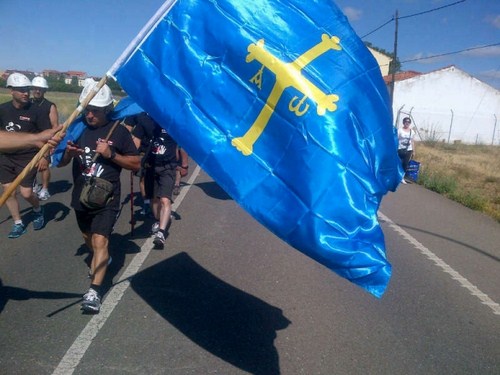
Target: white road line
[
  {"x": 77, "y": 350},
  {"x": 485, "y": 300}
]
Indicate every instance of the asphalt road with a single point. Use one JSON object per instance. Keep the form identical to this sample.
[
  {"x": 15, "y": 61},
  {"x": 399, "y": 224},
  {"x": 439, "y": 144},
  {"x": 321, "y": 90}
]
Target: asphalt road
[{"x": 228, "y": 297}]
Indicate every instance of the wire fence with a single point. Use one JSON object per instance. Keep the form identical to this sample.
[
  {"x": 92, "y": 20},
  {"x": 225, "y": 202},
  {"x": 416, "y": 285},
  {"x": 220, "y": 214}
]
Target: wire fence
[{"x": 451, "y": 126}]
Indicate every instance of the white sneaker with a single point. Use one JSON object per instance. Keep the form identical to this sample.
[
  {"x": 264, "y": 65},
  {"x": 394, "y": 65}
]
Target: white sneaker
[
  {"x": 403, "y": 181},
  {"x": 91, "y": 302},
  {"x": 159, "y": 240},
  {"x": 155, "y": 228},
  {"x": 43, "y": 195},
  {"x": 36, "y": 187}
]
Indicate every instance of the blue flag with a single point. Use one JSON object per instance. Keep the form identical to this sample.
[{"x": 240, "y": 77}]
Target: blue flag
[
  {"x": 125, "y": 107},
  {"x": 283, "y": 105}
]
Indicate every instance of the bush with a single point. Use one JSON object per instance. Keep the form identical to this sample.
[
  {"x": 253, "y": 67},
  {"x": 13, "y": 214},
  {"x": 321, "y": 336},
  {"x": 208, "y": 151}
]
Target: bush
[{"x": 439, "y": 183}]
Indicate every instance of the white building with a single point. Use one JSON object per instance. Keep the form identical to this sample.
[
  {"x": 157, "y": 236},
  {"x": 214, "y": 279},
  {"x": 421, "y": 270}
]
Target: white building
[
  {"x": 449, "y": 105},
  {"x": 383, "y": 61}
]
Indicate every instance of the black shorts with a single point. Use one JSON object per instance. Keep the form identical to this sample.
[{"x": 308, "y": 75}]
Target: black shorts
[
  {"x": 10, "y": 168},
  {"x": 159, "y": 181},
  {"x": 100, "y": 222}
]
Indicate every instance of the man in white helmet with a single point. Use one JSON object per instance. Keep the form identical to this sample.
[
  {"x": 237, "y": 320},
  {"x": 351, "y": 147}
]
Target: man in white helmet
[
  {"x": 20, "y": 116},
  {"x": 118, "y": 152},
  {"x": 39, "y": 87}
]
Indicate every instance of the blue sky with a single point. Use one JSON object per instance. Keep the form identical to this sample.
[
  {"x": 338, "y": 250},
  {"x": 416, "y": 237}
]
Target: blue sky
[{"x": 89, "y": 35}]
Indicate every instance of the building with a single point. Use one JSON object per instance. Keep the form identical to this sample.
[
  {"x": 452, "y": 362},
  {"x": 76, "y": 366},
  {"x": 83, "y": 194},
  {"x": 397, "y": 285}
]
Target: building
[
  {"x": 69, "y": 76},
  {"x": 383, "y": 61},
  {"x": 448, "y": 105}
]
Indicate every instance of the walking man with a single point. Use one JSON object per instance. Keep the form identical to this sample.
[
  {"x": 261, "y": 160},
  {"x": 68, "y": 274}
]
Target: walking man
[
  {"x": 161, "y": 164},
  {"x": 39, "y": 87},
  {"x": 114, "y": 153},
  {"x": 21, "y": 116}
]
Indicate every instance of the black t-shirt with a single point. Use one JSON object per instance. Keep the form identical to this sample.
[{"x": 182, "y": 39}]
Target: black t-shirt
[
  {"x": 143, "y": 126},
  {"x": 120, "y": 141},
  {"x": 24, "y": 120},
  {"x": 43, "y": 106},
  {"x": 163, "y": 149}
]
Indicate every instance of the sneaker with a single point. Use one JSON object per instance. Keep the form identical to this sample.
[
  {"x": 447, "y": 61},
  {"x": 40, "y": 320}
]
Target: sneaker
[
  {"x": 17, "y": 230},
  {"x": 91, "y": 302},
  {"x": 403, "y": 181},
  {"x": 36, "y": 187},
  {"x": 176, "y": 190},
  {"x": 90, "y": 276},
  {"x": 43, "y": 195},
  {"x": 39, "y": 220},
  {"x": 159, "y": 240},
  {"x": 155, "y": 228}
]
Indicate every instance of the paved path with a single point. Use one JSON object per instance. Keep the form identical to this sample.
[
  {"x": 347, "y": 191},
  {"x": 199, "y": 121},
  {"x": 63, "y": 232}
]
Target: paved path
[{"x": 228, "y": 297}]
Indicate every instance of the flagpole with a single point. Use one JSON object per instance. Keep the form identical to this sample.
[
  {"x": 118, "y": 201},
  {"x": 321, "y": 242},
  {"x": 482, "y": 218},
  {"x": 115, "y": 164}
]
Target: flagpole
[{"x": 32, "y": 164}]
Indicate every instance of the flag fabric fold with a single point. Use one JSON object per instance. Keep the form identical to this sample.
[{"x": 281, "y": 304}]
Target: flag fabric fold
[{"x": 283, "y": 105}]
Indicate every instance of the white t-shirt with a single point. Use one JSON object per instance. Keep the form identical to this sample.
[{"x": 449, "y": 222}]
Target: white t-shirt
[{"x": 405, "y": 138}]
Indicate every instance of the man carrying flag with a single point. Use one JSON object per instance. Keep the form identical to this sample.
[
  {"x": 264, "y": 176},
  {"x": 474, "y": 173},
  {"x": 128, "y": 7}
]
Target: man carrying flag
[
  {"x": 283, "y": 105},
  {"x": 21, "y": 116},
  {"x": 100, "y": 151}
]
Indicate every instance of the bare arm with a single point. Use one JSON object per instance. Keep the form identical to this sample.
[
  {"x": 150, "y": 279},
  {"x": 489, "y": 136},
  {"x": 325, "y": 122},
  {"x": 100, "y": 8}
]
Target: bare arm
[
  {"x": 131, "y": 162},
  {"x": 53, "y": 116},
  {"x": 10, "y": 141},
  {"x": 183, "y": 165}
]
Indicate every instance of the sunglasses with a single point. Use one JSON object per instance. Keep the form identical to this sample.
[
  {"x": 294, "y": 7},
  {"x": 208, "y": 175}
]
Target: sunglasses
[
  {"x": 21, "y": 89},
  {"x": 94, "y": 110}
]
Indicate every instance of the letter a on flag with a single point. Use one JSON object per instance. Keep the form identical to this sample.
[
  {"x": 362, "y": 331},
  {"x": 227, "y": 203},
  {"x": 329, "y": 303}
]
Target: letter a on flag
[{"x": 285, "y": 108}]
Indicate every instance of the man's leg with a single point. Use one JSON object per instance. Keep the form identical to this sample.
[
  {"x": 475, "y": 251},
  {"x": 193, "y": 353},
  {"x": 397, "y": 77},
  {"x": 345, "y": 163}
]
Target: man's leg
[
  {"x": 100, "y": 258},
  {"x": 99, "y": 247},
  {"x": 32, "y": 198},
  {"x": 164, "y": 206},
  {"x": 165, "y": 211},
  {"x": 12, "y": 204},
  {"x": 43, "y": 194}
]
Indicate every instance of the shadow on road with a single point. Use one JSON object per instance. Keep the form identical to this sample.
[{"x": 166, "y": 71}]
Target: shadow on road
[
  {"x": 227, "y": 322},
  {"x": 213, "y": 190},
  {"x": 480, "y": 251},
  {"x": 60, "y": 186},
  {"x": 20, "y": 294}
]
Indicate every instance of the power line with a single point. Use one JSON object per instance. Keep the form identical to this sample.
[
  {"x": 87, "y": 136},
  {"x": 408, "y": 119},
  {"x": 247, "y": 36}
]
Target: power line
[
  {"x": 413, "y": 15},
  {"x": 450, "y": 53},
  {"x": 432, "y": 10},
  {"x": 378, "y": 28}
]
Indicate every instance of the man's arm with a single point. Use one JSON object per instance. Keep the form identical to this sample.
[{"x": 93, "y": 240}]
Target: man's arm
[
  {"x": 10, "y": 141},
  {"x": 53, "y": 116}
]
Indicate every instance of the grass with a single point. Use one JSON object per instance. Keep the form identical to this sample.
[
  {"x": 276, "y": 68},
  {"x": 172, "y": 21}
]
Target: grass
[
  {"x": 468, "y": 174},
  {"x": 66, "y": 102}
]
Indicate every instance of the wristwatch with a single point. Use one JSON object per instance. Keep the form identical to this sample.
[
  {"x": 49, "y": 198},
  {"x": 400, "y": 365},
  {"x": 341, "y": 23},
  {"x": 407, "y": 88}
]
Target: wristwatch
[{"x": 113, "y": 155}]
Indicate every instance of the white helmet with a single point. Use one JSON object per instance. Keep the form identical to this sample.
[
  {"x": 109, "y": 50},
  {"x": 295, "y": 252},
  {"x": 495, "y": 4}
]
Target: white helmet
[
  {"x": 103, "y": 98},
  {"x": 40, "y": 82},
  {"x": 18, "y": 80}
]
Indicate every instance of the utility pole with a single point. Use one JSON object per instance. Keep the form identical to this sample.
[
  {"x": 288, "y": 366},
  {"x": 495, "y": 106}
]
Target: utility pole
[{"x": 393, "y": 65}]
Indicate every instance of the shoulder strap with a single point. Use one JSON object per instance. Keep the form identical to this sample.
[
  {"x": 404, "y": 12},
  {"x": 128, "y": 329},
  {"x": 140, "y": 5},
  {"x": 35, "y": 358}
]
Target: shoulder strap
[{"x": 107, "y": 138}]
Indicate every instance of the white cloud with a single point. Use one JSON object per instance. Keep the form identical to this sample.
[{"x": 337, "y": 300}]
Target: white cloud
[{"x": 352, "y": 14}]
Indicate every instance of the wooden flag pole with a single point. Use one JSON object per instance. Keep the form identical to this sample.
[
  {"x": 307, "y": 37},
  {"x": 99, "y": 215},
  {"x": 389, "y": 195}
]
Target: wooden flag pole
[{"x": 32, "y": 164}]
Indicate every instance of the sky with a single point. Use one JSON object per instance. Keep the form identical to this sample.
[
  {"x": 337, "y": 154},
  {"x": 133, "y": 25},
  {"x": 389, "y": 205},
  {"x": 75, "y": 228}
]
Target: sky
[{"x": 89, "y": 35}]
